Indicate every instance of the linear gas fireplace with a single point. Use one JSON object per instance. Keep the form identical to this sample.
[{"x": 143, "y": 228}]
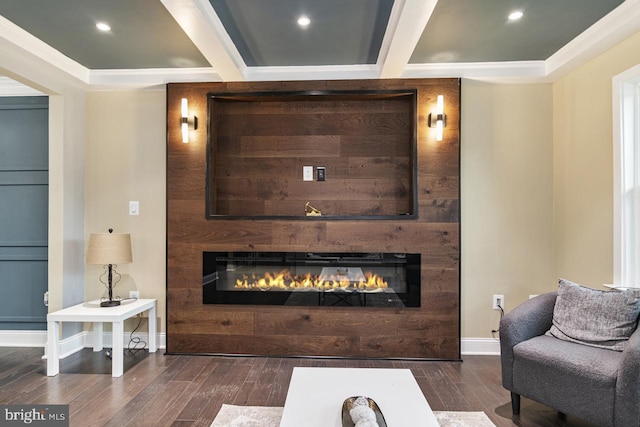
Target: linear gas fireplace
[{"x": 312, "y": 278}]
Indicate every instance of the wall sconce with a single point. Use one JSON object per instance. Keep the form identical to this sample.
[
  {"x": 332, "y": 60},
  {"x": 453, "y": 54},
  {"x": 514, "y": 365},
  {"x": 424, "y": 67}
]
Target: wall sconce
[
  {"x": 185, "y": 123},
  {"x": 438, "y": 118}
]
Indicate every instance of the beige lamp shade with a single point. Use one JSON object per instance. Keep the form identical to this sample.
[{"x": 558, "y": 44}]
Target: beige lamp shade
[{"x": 109, "y": 248}]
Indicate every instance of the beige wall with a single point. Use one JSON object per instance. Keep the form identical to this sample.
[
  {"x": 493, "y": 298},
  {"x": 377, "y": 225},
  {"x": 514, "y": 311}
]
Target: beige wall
[
  {"x": 66, "y": 170},
  {"x": 126, "y": 160},
  {"x": 583, "y": 166},
  {"x": 537, "y": 188},
  {"x": 507, "y": 203}
]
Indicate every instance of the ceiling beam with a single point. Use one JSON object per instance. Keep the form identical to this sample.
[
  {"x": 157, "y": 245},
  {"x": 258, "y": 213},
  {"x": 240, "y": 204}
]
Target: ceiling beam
[
  {"x": 26, "y": 48},
  {"x": 10, "y": 87},
  {"x": 610, "y": 30},
  {"x": 201, "y": 24},
  {"x": 406, "y": 25}
]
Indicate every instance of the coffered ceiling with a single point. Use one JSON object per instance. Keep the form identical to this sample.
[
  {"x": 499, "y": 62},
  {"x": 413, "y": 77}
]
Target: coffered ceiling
[{"x": 156, "y": 41}]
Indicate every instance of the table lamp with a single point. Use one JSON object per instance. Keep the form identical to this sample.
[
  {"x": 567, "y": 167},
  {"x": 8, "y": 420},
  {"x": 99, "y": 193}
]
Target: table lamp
[{"x": 109, "y": 249}]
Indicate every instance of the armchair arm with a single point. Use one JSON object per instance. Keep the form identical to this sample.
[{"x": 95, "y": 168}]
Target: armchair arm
[
  {"x": 626, "y": 410},
  {"x": 530, "y": 319}
]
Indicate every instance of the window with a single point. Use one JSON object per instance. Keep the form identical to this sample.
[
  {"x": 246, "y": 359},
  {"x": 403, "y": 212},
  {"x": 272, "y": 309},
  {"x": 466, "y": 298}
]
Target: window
[{"x": 626, "y": 112}]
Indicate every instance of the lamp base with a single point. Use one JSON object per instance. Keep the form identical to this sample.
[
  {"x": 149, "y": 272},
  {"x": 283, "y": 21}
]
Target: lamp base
[{"x": 112, "y": 303}]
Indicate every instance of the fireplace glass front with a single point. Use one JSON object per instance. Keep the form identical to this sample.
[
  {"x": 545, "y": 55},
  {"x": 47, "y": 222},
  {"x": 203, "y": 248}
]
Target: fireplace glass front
[{"x": 312, "y": 278}]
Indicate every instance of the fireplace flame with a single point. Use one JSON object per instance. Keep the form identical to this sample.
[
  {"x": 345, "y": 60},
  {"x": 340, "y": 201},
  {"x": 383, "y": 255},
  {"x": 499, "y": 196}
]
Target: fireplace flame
[{"x": 284, "y": 280}]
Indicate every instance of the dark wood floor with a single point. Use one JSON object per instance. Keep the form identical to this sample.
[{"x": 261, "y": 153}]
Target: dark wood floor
[{"x": 162, "y": 390}]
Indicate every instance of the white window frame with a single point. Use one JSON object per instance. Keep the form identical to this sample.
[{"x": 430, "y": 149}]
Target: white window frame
[{"x": 626, "y": 178}]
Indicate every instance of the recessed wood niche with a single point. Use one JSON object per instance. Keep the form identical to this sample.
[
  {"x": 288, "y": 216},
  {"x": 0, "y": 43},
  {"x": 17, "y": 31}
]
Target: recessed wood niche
[
  {"x": 259, "y": 144},
  {"x": 389, "y": 187}
]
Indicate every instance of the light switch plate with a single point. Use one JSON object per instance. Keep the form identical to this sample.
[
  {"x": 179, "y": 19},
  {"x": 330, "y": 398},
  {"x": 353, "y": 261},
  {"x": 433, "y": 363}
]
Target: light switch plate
[
  {"x": 134, "y": 207},
  {"x": 307, "y": 173}
]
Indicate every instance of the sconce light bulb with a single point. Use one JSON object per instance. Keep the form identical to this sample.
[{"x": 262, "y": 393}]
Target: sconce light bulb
[
  {"x": 439, "y": 129},
  {"x": 185, "y": 107},
  {"x": 440, "y": 104},
  {"x": 185, "y": 132}
]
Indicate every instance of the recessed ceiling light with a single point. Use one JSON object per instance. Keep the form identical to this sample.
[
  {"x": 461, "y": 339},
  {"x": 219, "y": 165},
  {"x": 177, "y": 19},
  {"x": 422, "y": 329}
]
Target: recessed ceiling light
[
  {"x": 515, "y": 15},
  {"x": 304, "y": 21},
  {"x": 103, "y": 26}
]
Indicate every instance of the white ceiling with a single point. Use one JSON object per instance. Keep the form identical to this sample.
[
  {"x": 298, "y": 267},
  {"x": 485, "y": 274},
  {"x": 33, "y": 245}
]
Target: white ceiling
[{"x": 153, "y": 42}]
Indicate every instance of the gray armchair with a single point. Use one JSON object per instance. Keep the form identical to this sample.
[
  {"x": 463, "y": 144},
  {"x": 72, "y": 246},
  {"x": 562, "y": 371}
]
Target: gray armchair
[{"x": 599, "y": 385}]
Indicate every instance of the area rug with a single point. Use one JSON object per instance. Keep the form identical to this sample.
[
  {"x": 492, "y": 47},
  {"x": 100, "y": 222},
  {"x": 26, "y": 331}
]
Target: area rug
[
  {"x": 267, "y": 416},
  {"x": 463, "y": 419}
]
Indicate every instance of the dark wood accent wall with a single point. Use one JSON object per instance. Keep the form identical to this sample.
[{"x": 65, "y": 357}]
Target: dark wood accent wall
[{"x": 430, "y": 331}]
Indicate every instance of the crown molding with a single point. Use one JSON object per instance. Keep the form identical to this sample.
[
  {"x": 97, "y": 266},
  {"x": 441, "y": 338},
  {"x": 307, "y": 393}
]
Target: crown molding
[
  {"x": 324, "y": 72},
  {"x": 515, "y": 71},
  {"x": 152, "y": 78}
]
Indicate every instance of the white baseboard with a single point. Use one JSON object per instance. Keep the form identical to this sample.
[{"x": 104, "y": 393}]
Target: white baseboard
[
  {"x": 23, "y": 338},
  {"x": 161, "y": 339},
  {"x": 480, "y": 346},
  {"x": 74, "y": 343},
  {"x": 69, "y": 345}
]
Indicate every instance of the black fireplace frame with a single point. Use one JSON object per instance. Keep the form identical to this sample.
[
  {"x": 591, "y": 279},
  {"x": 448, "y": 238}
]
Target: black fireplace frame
[{"x": 403, "y": 291}]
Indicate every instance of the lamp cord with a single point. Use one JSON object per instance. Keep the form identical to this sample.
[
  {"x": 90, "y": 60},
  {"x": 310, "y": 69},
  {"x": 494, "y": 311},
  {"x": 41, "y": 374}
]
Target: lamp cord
[
  {"x": 138, "y": 343},
  {"x": 493, "y": 331}
]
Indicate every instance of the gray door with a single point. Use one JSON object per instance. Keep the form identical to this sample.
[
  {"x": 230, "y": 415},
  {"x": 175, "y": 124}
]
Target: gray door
[{"x": 24, "y": 164}]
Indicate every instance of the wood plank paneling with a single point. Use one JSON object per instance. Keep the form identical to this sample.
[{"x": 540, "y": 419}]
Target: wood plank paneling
[
  {"x": 290, "y": 132},
  {"x": 373, "y": 153}
]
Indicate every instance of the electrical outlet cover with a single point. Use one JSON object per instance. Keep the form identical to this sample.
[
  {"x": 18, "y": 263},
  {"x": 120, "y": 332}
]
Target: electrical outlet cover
[{"x": 307, "y": 173}]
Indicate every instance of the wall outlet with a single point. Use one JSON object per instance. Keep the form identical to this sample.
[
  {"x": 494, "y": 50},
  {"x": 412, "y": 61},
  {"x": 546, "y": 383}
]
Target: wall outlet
[
  {"x": 498, "y": 301},
  {"x": 134, "y": 294}
]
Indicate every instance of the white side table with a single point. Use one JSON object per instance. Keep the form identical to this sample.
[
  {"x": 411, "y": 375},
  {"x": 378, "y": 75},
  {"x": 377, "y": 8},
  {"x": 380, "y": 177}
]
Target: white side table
[{"x": 92, "y": 312}]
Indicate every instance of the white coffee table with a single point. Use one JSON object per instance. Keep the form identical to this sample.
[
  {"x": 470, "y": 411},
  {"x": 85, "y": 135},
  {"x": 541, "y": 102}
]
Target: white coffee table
[
  {"x": 316, "y": 395},
  {"x": 92, "y": 312}
]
